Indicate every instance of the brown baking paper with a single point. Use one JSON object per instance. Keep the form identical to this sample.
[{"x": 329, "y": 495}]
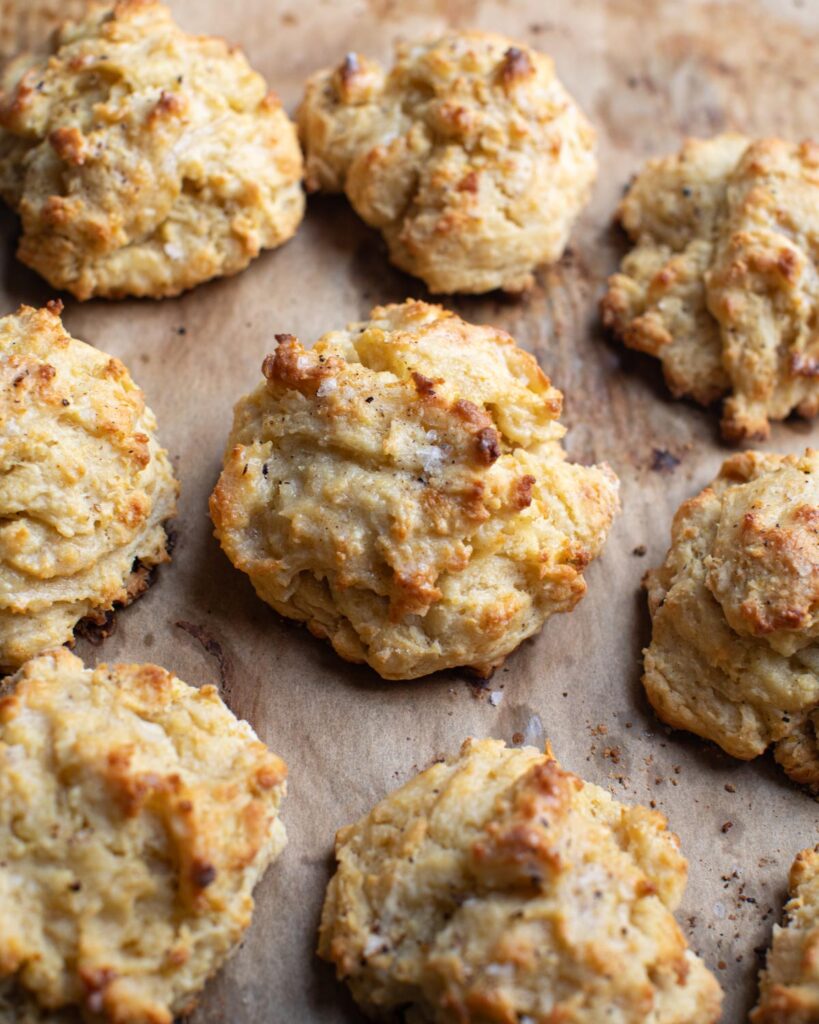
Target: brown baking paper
[{"x": 647, "y": 73}]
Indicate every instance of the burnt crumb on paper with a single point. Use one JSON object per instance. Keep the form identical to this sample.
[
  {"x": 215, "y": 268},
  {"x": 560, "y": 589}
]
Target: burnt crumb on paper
[{"x": 663, "y": 461}]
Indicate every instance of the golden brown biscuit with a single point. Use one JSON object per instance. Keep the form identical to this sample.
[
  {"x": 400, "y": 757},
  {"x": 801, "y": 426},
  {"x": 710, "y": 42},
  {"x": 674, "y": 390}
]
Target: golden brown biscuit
[
  {"x": 734, "y": 654},
  {"x": 402, "y": 488},
  {"x": 142, "y": 160},
  {"x": 789, "y": 985},
  {"x": 497, "y": 887},
  {"x": 84, "y": 486},
  {"x": 136, "y": 816},
  {"x": 721, "y": 285},
  {"x": 468, "y": 155}
]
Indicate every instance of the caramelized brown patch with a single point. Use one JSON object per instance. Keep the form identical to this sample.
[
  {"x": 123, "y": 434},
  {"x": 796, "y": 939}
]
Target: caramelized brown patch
[
  {"x": 202, "y": 873},
  {"x": 516, "y": 66},
  {"x": 169, "y": 104},
  {"x": 787, "y": 264},
  {"x": 271, "y": 774},
  {"x": 355, "y": 80},
  {"x": 808, "y": 514},
  {"x": 519, "y": 849},
  {"x": 469, "y": 182},
  {"x": 58, "y": 211},
  {"x": 740, "y": 467},
  {"x": 95, "y": 980},
  {"x": 9, "y": 707},
  {"x": 415, "y": 592},
  {"x": 523, "y": 492},
  {"x": 473, "y": 501},
  {"x": 115, "y": 369},
  {"x": 487, "y": 444},
  {"x": 424, "y": 385},
  {"x": 291, "y": 366},
  {"x": 69, "y": 145},
  {"x": 469, "y": 413}
]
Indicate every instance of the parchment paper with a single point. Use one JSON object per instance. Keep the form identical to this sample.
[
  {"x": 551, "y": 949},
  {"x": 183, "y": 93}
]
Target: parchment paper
[{"x": 647, "y": 73}]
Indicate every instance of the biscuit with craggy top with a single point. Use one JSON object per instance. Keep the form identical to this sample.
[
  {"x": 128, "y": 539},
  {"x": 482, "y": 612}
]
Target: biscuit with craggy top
[
  {"x": 722, "y": 284},
  {"x": 402, "y": 488},
  {"x": 734, "y": 653},
  {"x": 496, "y": 886},
  {"x": 468, "y": 155},
  {"x": 141, "y": 160},
  {"x": 85, "y": 487},
  {"x": 789, "y": 984},
  {"x": 136, "y": 816}
]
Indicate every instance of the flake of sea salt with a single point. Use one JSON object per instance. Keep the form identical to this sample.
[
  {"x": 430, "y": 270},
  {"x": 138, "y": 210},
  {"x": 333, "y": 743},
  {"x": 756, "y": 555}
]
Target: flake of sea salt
[
  {"x": 374, "y": 944},
  {"x": 432, "y": 457}
]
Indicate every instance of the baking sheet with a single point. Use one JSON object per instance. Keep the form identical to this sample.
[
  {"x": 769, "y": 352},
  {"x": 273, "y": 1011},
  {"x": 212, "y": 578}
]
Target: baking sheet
[{"x": 647, "y": 73}]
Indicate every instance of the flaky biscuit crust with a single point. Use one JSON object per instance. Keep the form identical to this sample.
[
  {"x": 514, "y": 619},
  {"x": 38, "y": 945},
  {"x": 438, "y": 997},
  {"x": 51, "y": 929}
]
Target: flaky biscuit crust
[
  {"x": 735, "y": 612},
  {"x": 468, "y": 155},
  {"x": 402, "y": 488},
  {"x": 85, "y": 487},
  {"x": 136, "y": 815},
  {"x": 497, "y": 887},
  {"x": 142, "y": 160},
  {"x": 789, "y": 984},
  {"x": 722, "y": 284}
]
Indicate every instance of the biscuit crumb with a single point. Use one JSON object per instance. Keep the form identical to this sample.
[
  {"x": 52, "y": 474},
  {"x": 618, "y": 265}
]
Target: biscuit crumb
[{"x": 663, "y": 461}]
